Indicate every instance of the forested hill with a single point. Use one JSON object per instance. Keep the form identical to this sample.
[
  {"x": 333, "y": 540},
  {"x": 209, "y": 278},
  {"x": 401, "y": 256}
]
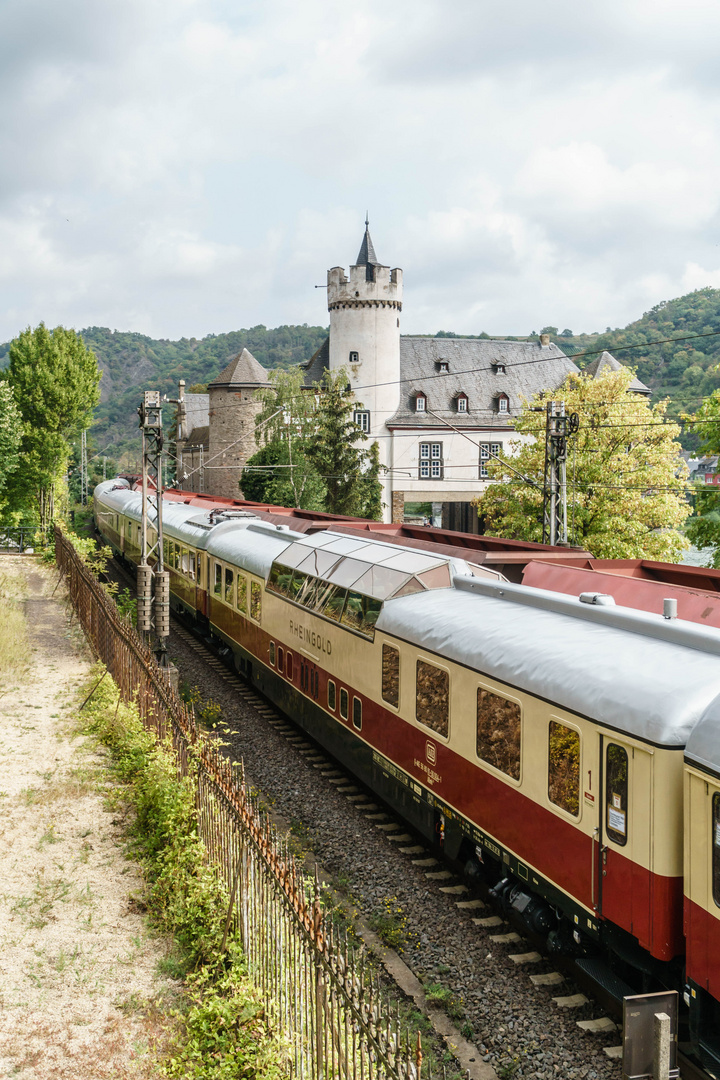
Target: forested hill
[
  {"x": 131, "y": 362},
  {"x": 685, "y": 371}
]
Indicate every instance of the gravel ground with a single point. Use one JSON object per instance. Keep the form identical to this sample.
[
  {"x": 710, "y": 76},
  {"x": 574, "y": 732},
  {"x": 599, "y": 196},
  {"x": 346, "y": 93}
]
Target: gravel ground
[{"x": 516, "y": 1026}]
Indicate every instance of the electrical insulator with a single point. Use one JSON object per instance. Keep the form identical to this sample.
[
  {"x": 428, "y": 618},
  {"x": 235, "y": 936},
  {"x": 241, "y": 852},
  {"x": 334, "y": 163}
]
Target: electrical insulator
[
  {"x": 144, "y": 597},
  {"x": 162, "y": 604}
]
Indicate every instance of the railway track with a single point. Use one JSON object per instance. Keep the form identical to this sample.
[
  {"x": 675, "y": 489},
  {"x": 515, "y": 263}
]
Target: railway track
[{"x": 552, "y": 990}]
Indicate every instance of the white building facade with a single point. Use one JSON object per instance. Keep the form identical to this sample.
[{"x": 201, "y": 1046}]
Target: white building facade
[{"x": 439, "y": 408}]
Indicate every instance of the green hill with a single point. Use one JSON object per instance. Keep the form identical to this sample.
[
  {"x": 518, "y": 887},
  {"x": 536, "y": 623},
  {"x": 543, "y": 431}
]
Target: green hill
[
  {"x": 131, "y": 362},
  {"x": 684, "y": 371}
]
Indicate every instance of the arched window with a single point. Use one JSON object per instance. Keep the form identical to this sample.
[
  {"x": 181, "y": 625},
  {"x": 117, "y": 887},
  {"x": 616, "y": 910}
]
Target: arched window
[
  {"x": 503, "y": 403},
  {"x": 420, "y": 403},
  {"x": 462, "y": 403}
]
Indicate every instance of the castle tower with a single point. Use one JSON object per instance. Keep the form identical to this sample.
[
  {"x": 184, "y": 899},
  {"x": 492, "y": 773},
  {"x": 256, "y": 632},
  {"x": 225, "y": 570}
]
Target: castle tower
[
  {"x": 365, "y": 337},
  {"x": 233, "y": 406}
]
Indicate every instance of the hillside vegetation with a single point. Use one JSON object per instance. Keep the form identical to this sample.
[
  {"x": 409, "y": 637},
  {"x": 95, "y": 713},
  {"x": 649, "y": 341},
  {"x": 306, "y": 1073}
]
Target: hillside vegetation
[
  {"x": 131, "y": 362},
  {"x": 684, "y": 371}
]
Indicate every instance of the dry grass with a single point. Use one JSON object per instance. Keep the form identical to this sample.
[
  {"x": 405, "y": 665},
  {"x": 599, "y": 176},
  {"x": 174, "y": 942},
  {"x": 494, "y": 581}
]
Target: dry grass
[{"x": 14, "y": 647}]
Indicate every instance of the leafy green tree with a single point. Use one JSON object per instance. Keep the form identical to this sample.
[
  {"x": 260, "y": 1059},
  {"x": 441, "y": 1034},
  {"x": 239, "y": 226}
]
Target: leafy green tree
[
  {"x": 313, "y": 455},
  {"x": 10, "y": 439},
  {"x": 285, "y": 427},
  {"x": 625, "y": 482},
  {"x": 703, "y": 528},
  {"x": 54, "y": 379},
  {"x": 349, "y": 470}
]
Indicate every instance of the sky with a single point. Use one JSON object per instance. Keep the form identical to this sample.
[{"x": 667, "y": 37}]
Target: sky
[{"x": 186, "y": 167}]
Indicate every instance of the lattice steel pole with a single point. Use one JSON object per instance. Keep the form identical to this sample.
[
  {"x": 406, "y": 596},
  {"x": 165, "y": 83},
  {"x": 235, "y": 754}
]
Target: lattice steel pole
[
  {"x": 558, "y": 427},
  {"x": 153, "y": 582}
]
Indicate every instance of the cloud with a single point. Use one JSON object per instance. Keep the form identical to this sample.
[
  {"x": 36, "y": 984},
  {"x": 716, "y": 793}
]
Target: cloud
[{"x": 192, "y": 166}]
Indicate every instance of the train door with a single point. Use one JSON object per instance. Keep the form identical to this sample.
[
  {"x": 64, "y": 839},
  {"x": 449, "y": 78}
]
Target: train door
[
  {"x": 203, "y": 566},
  {"x": 624, "y": 870}
]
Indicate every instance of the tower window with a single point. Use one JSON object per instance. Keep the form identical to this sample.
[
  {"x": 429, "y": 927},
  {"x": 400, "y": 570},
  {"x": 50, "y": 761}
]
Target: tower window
[
  {"x": 420, "y": 403},
  {"x": 431, "y": 464},
  {"x": 354, "y": 358},
  {"x": 362, "y": 419}
]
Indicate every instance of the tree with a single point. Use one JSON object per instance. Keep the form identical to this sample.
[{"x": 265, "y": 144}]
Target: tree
[
  {"x": 703, "y": 528},
  {"x": 285, "y": 426},
  {"x": 625, "y": 479},
  {"x": 349, "y": 470},
  {"x": 10, "y": 439},
  {"x": 312, "y": 455},
  {"x": 54, "y": 379}
]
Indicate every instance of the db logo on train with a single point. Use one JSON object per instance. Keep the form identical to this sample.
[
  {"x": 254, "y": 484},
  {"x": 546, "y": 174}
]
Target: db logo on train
[{"x": 430, "y": 752}]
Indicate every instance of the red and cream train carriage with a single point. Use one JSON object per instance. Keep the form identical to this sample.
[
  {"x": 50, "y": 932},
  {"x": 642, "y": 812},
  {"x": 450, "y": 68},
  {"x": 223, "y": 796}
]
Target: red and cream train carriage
[{"x": 539, "y": 738}]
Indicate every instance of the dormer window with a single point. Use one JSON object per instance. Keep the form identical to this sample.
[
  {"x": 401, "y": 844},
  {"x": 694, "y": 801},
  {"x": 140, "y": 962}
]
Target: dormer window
[
  {"x": 498, "y": 368},
  {"x": 503, "y": 403},
  {"x": 354, "y": 358},
  {"x": 420, "y": 403},
  {"x": 442, "y": 366},
  {"x": 462, "y": 403}
]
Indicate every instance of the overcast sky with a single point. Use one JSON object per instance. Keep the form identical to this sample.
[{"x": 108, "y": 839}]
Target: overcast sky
[{"x": 185, "y": 167}]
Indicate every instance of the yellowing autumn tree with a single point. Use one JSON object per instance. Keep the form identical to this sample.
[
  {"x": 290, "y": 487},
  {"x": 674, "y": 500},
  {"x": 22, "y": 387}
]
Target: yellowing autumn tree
[{"x": 625, "y": 478}]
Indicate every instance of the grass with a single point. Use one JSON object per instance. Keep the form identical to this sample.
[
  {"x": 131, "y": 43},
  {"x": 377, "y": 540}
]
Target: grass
[{"x": 14, "y": 647}]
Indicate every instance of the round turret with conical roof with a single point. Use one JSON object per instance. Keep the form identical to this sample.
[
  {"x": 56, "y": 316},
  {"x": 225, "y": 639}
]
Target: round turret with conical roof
[{"x": 233, "y": 408}]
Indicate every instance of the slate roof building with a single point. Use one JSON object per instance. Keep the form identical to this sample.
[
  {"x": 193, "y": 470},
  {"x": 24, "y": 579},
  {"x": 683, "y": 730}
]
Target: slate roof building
[{"x": 439, "y": 408}]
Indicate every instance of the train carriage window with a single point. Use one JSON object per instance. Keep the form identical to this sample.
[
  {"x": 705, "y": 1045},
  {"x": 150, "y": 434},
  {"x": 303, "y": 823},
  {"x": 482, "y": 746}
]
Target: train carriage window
[
  {"x": 716, "y": 848},
  {"x": 272, "y": 653},
  {"x": 391, "y": 675},
  {"x": 192, "y": 566},
  {"x": 184, "y": 561},
  {"x": 289, "y": 665},
  {"x": 432, "y": 697},
  {"x": 331, "y": 601},
  {"x": 229, "y": 583},
  {"x": 331, "y": 695},
  {"x": 217, "y": 588},
  {"x": 280, "y": 657},
  {"x": 498, "y": 732},
  {"x": 616, "y": 793},
  {"x": 564, "y": 767},
  {"x": 343, "y": 703},
  {"x": 166, "y": 551},
  {"x": 361, "y": 613},
  {"x": 242, "y": 593},
  {"x": 255, "y": 601},
  {"x": 357, "y": 713},
  {"x": 280, "y": 580}
]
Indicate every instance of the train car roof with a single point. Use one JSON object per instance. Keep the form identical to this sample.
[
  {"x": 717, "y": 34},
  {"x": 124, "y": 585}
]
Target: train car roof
[
  {"x": 599, "y": 663},
  {"x": 703, "y": 745}
]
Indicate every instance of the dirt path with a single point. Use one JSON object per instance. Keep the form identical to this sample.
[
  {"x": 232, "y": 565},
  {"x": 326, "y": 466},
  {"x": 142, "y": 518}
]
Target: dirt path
[{"x": 81, "y": 993}]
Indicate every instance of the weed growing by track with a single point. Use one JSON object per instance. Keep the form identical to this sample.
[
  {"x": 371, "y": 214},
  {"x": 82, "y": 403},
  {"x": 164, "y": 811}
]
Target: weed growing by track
[{"x": 220, "y": 1027}]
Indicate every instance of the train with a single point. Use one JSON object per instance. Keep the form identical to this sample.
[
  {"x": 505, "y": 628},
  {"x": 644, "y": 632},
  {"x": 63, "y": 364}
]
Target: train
[{"x": 563, "y": 749}]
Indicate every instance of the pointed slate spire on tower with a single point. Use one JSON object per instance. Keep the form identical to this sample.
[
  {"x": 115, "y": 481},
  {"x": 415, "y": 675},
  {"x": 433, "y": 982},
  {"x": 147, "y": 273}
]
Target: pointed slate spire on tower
[{"x": 366, "y": 255}]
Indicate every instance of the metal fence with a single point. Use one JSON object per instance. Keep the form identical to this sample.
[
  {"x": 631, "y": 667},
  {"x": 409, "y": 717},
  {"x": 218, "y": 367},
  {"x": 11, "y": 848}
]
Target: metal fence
[
  {"x": 23, "y": 538},
  {"x": 319, "y": 994}
]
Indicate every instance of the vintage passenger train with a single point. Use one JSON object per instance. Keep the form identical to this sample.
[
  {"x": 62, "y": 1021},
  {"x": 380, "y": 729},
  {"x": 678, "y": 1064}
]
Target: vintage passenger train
[{"x": 568, "y": 752}]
